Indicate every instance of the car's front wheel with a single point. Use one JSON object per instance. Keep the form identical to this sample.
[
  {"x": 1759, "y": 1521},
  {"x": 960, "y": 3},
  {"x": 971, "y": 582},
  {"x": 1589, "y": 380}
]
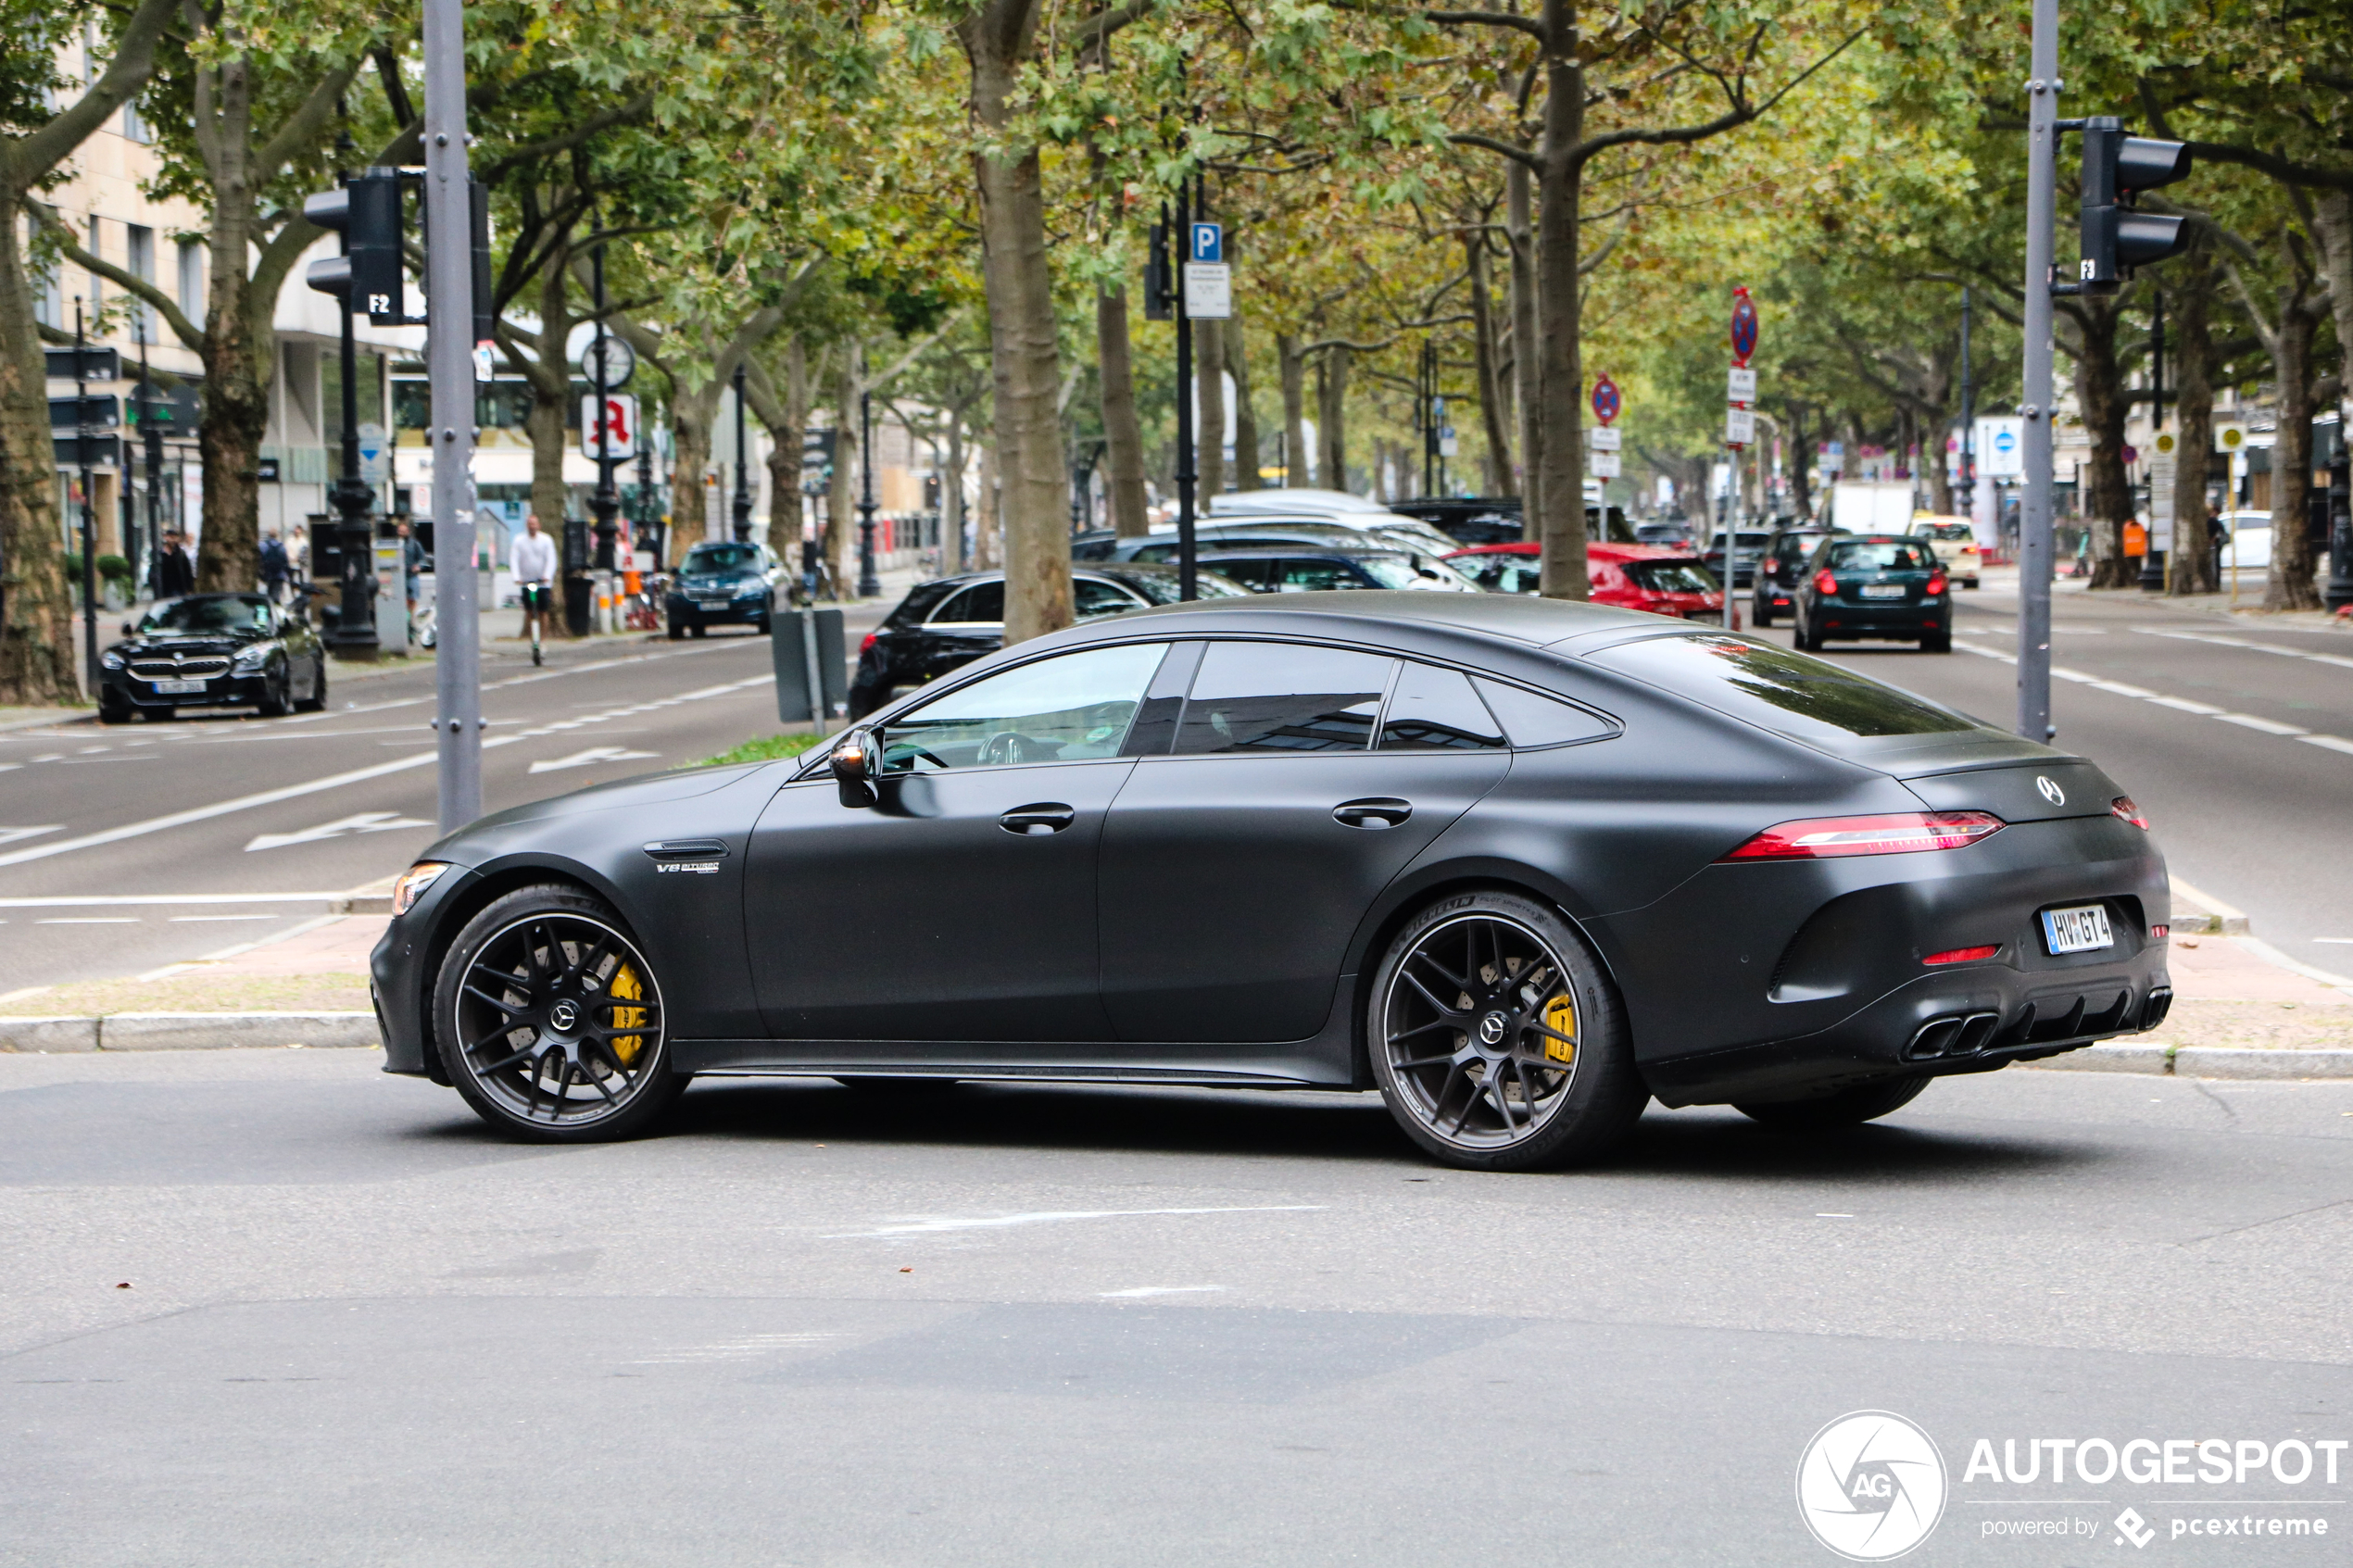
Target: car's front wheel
[
  {"x": 1761, "y": 611},
  {"x": 1847, "y": 1108},
  {"x": 551, "y": 1023},
  {"x": 277, "y": 699},
  {"x": 1497, "y": 1041}
]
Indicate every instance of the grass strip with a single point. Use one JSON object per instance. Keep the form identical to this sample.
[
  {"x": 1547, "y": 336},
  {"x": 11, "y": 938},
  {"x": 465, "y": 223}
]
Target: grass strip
[{"x": 766, "y": 748}]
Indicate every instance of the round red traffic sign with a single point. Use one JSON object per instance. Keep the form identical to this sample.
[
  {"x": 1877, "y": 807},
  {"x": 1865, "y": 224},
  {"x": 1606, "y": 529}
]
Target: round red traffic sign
[
  {"x": 1605, "y": 401},
  {"x": 1743, "y": 326}
]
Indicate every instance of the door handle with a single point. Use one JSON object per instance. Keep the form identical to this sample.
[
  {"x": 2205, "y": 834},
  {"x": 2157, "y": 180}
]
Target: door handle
[
  {"x": 1034, "y": 821},
  {"x": 1379, "y": 811}
]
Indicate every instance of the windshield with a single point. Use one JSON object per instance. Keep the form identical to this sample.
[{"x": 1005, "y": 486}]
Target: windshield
[
  {"x": 1161, "y": 588},
  {"x": 1880, "y": 554},
  {"x": 1948, "y": 530},
  {"x": 722, "y": 557},
  {"x": 1671, "y": 576},
  {"x": 208, "y": 615},
  {"x": 1771, "y": 687}
]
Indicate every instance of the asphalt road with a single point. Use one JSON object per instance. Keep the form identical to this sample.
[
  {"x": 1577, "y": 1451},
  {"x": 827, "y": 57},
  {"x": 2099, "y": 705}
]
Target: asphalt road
[
  {"x": 323, "y": 803},
  {"x": 267, "y": 1309},
  {"x": 2237, "y": 741}
]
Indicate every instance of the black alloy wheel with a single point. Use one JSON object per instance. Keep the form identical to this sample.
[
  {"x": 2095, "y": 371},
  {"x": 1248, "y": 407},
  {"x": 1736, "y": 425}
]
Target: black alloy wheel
[
  {"x": 316, "y": 701},
  {"x": 550, "y": 1022},
  {"x": 277, "y": 699},
  {"x": 1498, "y": 1043},
  {"x": 1846, "y": 1108},
  {"x": 1761, "y": 611},
  {"x": 1805, "y": 636}
]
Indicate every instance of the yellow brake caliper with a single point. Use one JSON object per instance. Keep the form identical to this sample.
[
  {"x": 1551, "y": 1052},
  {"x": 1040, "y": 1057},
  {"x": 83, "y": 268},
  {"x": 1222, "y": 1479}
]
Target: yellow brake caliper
[
  {"x": 1560, "y": 1016},
  {"x": 628, "y": 987}
]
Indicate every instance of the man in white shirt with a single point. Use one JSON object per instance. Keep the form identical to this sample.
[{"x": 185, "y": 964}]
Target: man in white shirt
[{"x": 535, "y": 569}]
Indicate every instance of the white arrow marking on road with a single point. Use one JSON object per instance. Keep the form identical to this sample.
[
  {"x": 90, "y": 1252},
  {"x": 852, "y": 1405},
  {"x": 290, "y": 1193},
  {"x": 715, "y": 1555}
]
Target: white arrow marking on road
[
  {"x": 594, "y": 754},
  {"x": 938, "y": 1223},
  {"x": 365, "y": 821},
  {"x": 9, "y": 835}
]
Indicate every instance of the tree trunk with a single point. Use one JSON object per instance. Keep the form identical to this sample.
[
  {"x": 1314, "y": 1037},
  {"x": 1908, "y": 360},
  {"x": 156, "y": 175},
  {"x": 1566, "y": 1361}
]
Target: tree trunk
[
  {"x": 1246, "y": 463},
  {"x": 1122, "y": 438},
  {"x": 951, "y": 497},
  {"x": 985, "y": 522},
  {"x": 1024, "y": 357},
  {"x": 1294, "y": 371},
  {"x": 1209, "y": 377},
  {"x": 2290, "y": 585},
  {"x": 1561, "y": 488},
  {"x": 784, "y": 443},
  {"x": 1526, "y": 346},
  {"x": 841, "y": 499},
  {"x": 1491, "y": 408},
  {"x": 2332, "y": 226},
  {"x": 2099, "y": 393},
  {"x": 235, "y": 417},
  {"x": 1331, "y": 399},
  {"x": 690, "y": 435},
  {"x": 37, "y": 661},
  {"x": 1801, "y": 464},
  {"x": 2192, "y": 298}
]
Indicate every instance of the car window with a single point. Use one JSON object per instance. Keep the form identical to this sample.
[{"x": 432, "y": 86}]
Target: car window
[
  {"x": 1773, "y": 687},
  {"x": 1062, "y": 709},
  {"x": 1435, "y": 709},
  {"x": 1671, "y": 576},
  {"x": 1258, "y": 576},
  {"x": 918, "y": 603},
  {"x": 208, "y": 615},
  {"x": 721, "y": 558},
  {"x": 1949, "y": 531},
  {"x": 1282, "y": 696},
  {"x": 1880, "y": 554},
  {"x": 1163, "y": 587},
  {"x": 981, "y": 603},
  {"x": 1091, "y": 599},
  {"x": 1314, "y": 576},
  {"x": 1531, "y": 718},
  {"x": 1154, "y": 552}
]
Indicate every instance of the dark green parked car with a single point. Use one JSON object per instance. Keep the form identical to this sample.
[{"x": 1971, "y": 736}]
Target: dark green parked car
[{"x": 1875, "y": 587}]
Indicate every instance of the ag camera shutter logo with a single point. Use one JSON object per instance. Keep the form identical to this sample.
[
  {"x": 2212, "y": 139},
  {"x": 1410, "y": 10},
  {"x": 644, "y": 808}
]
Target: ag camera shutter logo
[{"x": 1871, "y": 1485}]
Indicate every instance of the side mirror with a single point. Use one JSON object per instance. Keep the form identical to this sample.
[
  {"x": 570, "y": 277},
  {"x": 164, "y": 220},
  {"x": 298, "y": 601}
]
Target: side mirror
[
  {"x": 128, "y": 630},
  {"x": 856, "y": 763}
]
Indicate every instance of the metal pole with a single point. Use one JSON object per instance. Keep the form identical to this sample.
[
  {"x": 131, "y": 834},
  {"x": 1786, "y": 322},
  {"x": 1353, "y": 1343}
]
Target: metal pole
[
  {"x": 1188, "y": 568},
  {"x": 1969, "y": 419},
  {"x": 356, "y": 623},
  {"x": 89, "y": 512},
  {"x": 450, "y": 316},
  {"x": 743, "y": 482},
  {"x": 2035, "y": 530},
  {"x": 2151, "y": 559},
  {"x": 869, "y": 583},
  {"x": 606, "y": 502}
]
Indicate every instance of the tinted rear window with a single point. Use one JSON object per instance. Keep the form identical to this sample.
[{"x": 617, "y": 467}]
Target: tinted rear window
[
  {"x": 919, "y": 601},
  {"x": 1882, "y": 555},
  {"x": 982, "y": 602},
  {"x": 1671, "y": 576},
  {"x": 1776, "y": 689}
]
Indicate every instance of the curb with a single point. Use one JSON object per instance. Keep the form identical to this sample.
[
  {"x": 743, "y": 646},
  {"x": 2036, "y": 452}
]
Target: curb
[
  {"x": 188, "y": 1031},
  {"x": 2202, "y": 914},
  {"x": 2203, "y": 1061}
]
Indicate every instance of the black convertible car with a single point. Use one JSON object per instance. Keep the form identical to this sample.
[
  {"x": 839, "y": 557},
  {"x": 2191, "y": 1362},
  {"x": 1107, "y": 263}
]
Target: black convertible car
[
  {"x": 1521, "y": 864},
  {"x": 212, "y": 650}
]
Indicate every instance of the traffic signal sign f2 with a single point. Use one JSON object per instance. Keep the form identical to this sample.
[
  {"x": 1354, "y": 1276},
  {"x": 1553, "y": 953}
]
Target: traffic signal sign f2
[
  {"x": 366, "y": 212},
  {"x": 2115, "y": 238}
]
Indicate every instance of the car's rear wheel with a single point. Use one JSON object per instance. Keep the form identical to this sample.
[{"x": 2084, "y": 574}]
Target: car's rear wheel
[
  {"x": 1806, "y": 638},
  {"x": 1498, "y": 1043},
  {"x": 1761, "y": 611},
  {"x": 550, "y": 1022},
  {"x": 1846, "y": 1108}
]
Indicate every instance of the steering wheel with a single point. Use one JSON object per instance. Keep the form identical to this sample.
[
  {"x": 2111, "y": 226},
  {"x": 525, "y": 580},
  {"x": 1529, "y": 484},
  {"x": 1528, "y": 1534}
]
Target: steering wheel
[{"x": 1007, "y": 745}]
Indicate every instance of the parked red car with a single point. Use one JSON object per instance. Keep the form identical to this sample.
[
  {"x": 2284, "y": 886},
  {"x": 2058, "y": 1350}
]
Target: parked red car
[{"x": 1650, "y": 577}]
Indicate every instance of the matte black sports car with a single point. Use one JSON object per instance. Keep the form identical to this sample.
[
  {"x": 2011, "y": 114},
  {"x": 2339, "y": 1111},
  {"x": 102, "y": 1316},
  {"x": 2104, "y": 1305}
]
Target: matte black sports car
[
  {"x": 212, "y": 650},
  {"x": 1521, "y": 864},
  {"x": 721, "y": 584}
]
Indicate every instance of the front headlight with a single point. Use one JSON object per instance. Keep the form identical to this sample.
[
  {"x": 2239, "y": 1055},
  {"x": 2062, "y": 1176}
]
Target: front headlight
[
  {"x": 413, "y": 883},
  {"x": 250, "y": 659},
  {"x": 110, "y": 660}
]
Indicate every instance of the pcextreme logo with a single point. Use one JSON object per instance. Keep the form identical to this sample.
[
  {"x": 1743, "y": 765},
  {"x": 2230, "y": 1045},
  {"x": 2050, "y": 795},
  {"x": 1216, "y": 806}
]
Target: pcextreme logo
[{"x": 1871, "y": 1485}]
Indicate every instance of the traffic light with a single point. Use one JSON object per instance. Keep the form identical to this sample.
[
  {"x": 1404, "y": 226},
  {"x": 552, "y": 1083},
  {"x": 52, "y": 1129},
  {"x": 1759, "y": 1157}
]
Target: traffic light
[
  {"x": 2116, "y": 168},
  {"x": 366, "y": 212},
  {"x": 1160, "y": 292}
]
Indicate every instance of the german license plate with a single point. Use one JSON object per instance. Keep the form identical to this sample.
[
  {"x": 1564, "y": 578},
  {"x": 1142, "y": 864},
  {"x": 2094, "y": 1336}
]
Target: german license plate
[
  {"x": 2083, "y": 929},
  {"x": 176, "y": 688},
  {"x": 710, "y": 604},
  {"x": 1882, "y": 590}
]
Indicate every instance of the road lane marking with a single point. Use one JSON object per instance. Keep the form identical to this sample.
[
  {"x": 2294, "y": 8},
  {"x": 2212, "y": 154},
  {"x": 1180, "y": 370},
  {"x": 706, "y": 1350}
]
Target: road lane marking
[
  {"x": 2268, "y": 726},
  {"x": 1143, "y": 1290},
  {"x": 941, "y": 1225},
  {"x": 2222, "y": 642},
  {"x": 91, "y": 901},
  {"x": 364, "y": 821},
  {"x": 89, "y": 920},
  {"x": 293, "y": 792},
  {"x": 9, "y": 835},
  {"x": 2334, "y": 743},
  {"x": 595, "y": 754},
  {"x": 204, "y": 919},
  {"x": 2204, "y": 709}
]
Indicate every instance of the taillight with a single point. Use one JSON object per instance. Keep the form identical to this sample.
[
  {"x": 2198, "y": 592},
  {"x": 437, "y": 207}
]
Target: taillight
[
  {"x": 1962, "y": 954},
  {"x": 2122, "y": 807},
  {"x": 869, "y": 643},
  {"x": 1826, "y": 583},
  {"x": 1897, "y": 832},
  {"x": 1936, "y": 583}
]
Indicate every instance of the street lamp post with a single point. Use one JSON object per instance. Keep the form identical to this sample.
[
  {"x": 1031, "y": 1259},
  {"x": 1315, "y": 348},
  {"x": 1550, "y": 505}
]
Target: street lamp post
[
  {"x": 1967, "y": 485},
  {"x": 151, "y": 440},
  {"x": 606, "y": 502},
  {"x": 869, "y": 583},
  {"x": 647, "y": 533},
  {"x": 2034, "y": 529},
  {"x": 743, "y": 473},
  {"x": 2152, "y": 579},
  {"x": 1188, "y": 553},
  {"x": 89, "y": 514},
  {"x": 355, "y": 633}
]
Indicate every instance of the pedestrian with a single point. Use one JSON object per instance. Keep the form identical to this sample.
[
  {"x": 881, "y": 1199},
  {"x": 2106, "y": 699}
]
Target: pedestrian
[
  {"x": 276, "y": 571},
  {"x": 175, "y": 573},
  {"x": 412, "y": 562},
  {"x": 534, "y": 570},
  {"x": 2218, "y": 534}
]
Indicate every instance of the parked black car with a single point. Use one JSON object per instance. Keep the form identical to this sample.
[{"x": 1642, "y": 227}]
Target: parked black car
[
  {"x": 212, "y": 650},
  {"x": 1522, "y": 865},
  {"x": 947, "y": 623},
  {"x": 1747, "y": 545},
  {"x": 1469, "y": 520},
  {"x": 721, "y": 584},
  {"x": 1292, "y": 569},
  {"x": 1887, "y": 587},
  {"x": 1781, "y": 566}
]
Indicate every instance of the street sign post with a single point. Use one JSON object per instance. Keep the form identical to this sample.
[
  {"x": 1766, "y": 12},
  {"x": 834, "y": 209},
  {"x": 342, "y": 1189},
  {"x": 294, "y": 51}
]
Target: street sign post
[
  {"x": 1606, "y": 402},
  {"x": 1739, "y": 430},
  {"x": 457, "y": 329}
]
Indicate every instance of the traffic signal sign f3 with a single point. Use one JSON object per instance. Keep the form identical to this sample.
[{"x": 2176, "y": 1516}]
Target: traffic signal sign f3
[
  {"x": 366, "y": 212},
  {"x": 2114, "y": 237}
]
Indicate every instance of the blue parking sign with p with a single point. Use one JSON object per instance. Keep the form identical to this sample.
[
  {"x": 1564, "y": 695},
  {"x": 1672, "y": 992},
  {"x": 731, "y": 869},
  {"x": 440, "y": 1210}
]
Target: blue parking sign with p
[{"x": 1209, "y": 241}]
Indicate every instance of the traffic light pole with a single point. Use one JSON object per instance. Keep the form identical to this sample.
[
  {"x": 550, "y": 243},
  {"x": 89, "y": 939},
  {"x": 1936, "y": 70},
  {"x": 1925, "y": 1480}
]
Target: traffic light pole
[
  {"x": 356, "y": 622},
  {"x": 450, "y": 294},
  {"x": 2034, "y": 527},
  {"x": 606, "y": 502},
  {"x": 88, "y": 513},
  {"x": 1188, "y": 552}
]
